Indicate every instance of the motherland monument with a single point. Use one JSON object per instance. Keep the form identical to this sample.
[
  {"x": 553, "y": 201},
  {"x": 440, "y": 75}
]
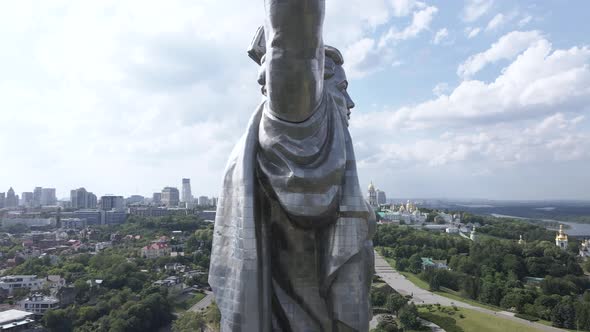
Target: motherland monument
[{"x": 292, "y": 247}]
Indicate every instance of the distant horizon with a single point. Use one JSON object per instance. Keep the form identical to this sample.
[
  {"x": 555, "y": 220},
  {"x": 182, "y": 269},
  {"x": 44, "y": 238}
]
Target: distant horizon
[{"x": 65, "y": 196}]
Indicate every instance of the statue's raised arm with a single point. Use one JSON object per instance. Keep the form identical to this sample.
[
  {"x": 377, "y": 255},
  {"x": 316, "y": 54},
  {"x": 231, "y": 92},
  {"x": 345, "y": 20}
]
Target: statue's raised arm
[{"x": 294, "y": 57}]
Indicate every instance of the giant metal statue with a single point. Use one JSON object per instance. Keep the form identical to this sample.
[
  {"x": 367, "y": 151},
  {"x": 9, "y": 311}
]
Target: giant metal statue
[{"x": 292, "y": 247}]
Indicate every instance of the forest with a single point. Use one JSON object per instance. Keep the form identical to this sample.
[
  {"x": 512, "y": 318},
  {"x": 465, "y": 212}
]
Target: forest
[{"x": 536, "y": 280}]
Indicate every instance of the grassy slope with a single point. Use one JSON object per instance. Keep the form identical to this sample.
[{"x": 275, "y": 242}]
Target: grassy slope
[{"x": 473, "y": 321}]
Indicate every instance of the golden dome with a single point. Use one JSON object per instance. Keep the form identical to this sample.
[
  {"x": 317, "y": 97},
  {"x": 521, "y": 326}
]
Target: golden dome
[
  {"x": 371, "y": 187},
  {"x": 561, "y": 236}
]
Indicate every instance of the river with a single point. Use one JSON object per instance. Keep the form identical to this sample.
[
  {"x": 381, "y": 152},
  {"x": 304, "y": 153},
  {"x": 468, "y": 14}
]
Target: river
[{"x": 574, "y": 229}]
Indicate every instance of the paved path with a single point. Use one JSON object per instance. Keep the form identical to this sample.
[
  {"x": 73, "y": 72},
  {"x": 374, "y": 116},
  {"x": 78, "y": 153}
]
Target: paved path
[
  {"x": 421, "y": 296},
  {"x": 204, "y": 303}
]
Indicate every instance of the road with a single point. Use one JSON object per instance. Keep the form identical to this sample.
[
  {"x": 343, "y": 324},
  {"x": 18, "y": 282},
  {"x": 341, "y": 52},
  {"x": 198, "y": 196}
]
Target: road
[
  {"x": 204, "y": 303},
  {"x": 421, "y": 296}
]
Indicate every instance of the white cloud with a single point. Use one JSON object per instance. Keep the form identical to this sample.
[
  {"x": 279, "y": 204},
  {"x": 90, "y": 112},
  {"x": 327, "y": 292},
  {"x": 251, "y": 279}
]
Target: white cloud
[
  {"x": 440, "y": 89},
  {"x": 555, "y": 124},
  {"x": 533, "y": 111},
  {"x": 440, "y": 35},
  {"x": 496, "y": 22},
  {"x": 368, "y": 55},
  {"x": 364, "y": 58},
  {"x": 472, "y": 32},
  {"x": 405, "y": 7},
  {"x": 474, "y": 9},
  {"x": 492, "y": 146},
  {"x": 506, "y": 48},
  {"x": 524, "y": 21},
  {"x": 421, "y": 21}
]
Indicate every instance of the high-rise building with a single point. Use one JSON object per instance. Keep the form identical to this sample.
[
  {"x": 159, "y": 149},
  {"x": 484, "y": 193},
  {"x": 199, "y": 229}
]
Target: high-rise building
[
  {"x": 381, "y": 197},
  {"x": 157, "y": 199},
  {"x": 37, "y": 193},
  {"x": 112, "y": 202},
  {"x": 170, "y": 196},
  {"x": 79, "y": 198},
  {"x": 11, "y": 199},
  {"x": 48, "y": 196},
  {"x": 91, "y": 201},
  {"x": 2, "y": 200},
  {"x": 187, "y": 195},
  {"x": 27, "y": 199},
  {"x": 82, "y": 199},
  {"x": 204, "y": 201}
]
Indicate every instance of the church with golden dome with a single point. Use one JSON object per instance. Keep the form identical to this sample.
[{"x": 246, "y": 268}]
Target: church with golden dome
[{"x": 561, "y": 238}]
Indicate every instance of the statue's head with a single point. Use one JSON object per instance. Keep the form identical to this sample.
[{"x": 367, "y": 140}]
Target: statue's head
[{"x": 335, "y": 80}]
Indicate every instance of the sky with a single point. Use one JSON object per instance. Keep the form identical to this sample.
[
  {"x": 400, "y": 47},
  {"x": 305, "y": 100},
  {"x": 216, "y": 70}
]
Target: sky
[{"x": 454, "y": 99}]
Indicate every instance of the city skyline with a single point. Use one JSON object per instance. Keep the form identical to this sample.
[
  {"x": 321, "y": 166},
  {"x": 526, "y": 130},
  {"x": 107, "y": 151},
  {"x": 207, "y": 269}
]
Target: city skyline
[
  {"x": 65, "y": 194},
  {"x": 481, "y": 98}
]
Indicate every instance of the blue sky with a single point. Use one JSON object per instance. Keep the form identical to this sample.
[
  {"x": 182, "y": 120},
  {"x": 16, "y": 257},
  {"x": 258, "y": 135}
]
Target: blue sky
[{"x": 477, "y": 98}]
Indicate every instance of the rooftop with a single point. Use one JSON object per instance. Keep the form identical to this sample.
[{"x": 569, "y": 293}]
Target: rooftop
[
  {"x": 19, "y": 276},
  {"x": 13, "y": 315}
]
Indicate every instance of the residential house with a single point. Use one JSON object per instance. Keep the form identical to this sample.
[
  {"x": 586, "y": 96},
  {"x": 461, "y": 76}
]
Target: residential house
[
  {"x": 155, "y": 250},
  {"x": 429, "y": 263},
  {"x": 39, "y": 303},
  {"x": 10, "y": 283}
]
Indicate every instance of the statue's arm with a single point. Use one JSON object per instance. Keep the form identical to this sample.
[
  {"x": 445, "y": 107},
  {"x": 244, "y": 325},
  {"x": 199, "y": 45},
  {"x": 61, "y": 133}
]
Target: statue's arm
[{"x": 294, "y": 57}]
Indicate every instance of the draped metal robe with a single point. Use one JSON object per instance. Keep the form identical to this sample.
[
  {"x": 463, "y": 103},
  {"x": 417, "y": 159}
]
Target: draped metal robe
[{"x": 255, "y": 182}]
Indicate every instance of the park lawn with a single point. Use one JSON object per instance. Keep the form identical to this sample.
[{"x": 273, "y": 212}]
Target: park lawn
[
  {"x": 472, "y": 321},
  {"x": 451, "y": 294},
  {"x": 416, "y": 280}
]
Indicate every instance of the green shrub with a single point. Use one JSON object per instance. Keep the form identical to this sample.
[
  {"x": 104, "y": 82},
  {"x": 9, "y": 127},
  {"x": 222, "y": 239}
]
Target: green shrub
[{"x": 527, "y": 317}]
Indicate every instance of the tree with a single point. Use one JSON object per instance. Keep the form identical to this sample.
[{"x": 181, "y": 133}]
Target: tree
[
  {"x": 415, "y": 263},
  {"x": 57, "y": 321},
  {"x": 564, "y": 315},
  {"x": 402, "y": 264},
  {"x": 583, "y": 315},
  {"x": 387, "y": 323},
  {"x": 430, "y": 217},
  {"x": 189, "y": 322},
  {"x": 408, "y": 317},
  {"x": 395, "y": 301},
  {"x": 514, "y": 299},
  {"x": 378, "y": 299},
  {"x": 557, "y": 286},
  {"x": 434, "y": 283},
  {"x": 470, "y": 286}
]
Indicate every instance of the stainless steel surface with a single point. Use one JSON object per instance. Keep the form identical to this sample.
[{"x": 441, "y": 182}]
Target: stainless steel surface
[{"x": 292, "y": 247}]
